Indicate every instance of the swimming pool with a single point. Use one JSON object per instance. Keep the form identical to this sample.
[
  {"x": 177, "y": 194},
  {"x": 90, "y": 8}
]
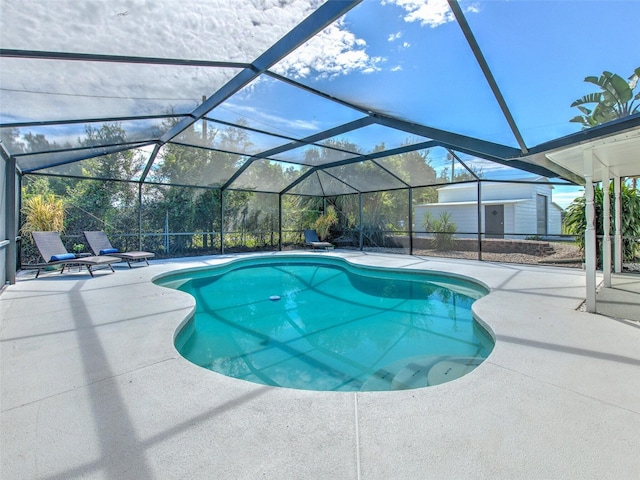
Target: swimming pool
[{"x": 320, "y": 323}]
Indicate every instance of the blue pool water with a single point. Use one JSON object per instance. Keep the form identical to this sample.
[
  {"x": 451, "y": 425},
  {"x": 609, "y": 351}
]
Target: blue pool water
[{"x": 322, "y": 324}]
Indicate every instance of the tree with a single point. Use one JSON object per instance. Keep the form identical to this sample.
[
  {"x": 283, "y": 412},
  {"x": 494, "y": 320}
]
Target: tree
[
  {"x": 615, "y": 100},
  {"x": 101, "y": 204}
]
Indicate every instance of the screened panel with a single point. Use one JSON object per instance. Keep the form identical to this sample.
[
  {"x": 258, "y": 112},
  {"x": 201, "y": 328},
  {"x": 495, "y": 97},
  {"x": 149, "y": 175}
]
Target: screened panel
[
  {"x": 488, "y": 170},
  {"x": 402, "y": 64},
  {"x": 274, "y": 106},
  {"x": 102, "y": 205},
  {"x": 194, "y": 29},
  {"x": 88, "y": 205},
  {"x": 36, "y": 162},
  {"x": 125, "y": 165},
  {"x": 313, "y": 155},
  {"x": 386, "y": 211},
  {"x": 179, "y": 221},
  {"x": 373, "y": 138},
  {"x": 298, "y": 213},
  {"x": 38, "y": 139},
  {"x": 448, "y": 167},
  {"x": 518, "y": 211},
  {"x": 446, "y": 221},
  {"x": 385, "y": 220},
  {"x": 334, "y": 186},
  {"x": 268, "y": 176},
  {"x": 536, "y": 32},
  {"x": 365, "y": 177},
  {"x": 422, "y": 196},
  {"x": 414, "y": 69},
  {"x": 155, "y": 219},
  {"x": 87, "y": 90},
  {"x": 348, "y": 210},
  {"x": 413, "y": 168},
  {"x": 251, "y": 221},
  {"x": 181, "y": 165},
  {"x": 209, "y": 134},
  {"x": 308, "y": 186}
]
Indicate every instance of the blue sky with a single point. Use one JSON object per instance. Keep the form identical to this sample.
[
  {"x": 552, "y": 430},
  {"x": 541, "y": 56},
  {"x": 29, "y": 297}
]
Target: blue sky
[
  {"x": 415, "y": 64},
  {"x": 406, "y": 58},
  {"x": 423, "y": 70}
]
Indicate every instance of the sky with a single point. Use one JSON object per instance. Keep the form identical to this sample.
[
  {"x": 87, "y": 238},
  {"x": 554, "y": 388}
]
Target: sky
[{"x": 406, "y": 58}]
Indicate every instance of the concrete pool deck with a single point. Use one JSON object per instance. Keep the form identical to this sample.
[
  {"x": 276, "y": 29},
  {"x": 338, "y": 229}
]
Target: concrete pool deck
[{"x": 92, "y": 387}]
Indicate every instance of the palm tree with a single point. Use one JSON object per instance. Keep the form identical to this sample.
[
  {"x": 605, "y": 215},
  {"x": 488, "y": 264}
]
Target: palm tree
[{"x": 616, "y": 100}]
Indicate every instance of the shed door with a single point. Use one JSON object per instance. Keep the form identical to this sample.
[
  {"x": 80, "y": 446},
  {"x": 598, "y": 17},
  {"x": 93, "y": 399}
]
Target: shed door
[
  {"x": 541, "y": 211},
  {"x": 494, "y": 221}
]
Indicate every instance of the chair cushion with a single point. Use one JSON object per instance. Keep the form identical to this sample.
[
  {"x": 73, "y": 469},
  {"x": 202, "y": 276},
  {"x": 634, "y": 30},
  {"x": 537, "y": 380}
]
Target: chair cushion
[
  {"x": 62, "y": 256},
  {"x": 107, "y": 251}
]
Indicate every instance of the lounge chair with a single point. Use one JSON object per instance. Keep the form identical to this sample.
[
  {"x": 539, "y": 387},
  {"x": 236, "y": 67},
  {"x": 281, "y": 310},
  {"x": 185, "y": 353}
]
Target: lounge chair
[
  {"x": 100, "y": 245},
  {"x": 311, "y": 240},
  {"x": 53, "y": 252}
]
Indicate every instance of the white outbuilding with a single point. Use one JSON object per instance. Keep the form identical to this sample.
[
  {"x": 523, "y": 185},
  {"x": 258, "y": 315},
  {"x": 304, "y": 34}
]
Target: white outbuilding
[{"x": 507, "y": 210}]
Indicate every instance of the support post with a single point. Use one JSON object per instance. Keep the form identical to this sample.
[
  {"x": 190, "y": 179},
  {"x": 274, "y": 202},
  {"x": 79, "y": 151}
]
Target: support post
[
  {"x": 10, "y": 215},
  {"x": 361, "y": 239},
  {"x": 280, "y": 222},
  {"x": 221, "y": 222},
  {"x": 479, "y": 203},
  {"x": 590, "y": 233},
  {"x": 140, "y": 216},
  {"x": 19, "y": 178},
  {"x": 617, "y": 239},
  {"x": 606, "y": 227},
  {"x": 410, "y": 221}
]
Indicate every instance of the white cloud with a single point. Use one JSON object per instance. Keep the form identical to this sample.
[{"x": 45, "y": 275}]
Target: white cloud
[
  {"x": 333, "y": 52},
  {"x": 432, "y": 13},
  {"x": 286, "y": 126},
  {"x": 212, "y": 30},
  {"x": 219, "y": 30},
  {"x": 397, "y": 68},
  {"x": 394, "y": 36}
]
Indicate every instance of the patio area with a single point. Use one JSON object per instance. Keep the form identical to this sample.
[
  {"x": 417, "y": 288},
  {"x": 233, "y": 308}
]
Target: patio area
[{"x": 92, "y": 387}]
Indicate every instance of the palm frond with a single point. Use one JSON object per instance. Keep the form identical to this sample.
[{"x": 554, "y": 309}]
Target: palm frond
[{"x": 590, "y": 98}]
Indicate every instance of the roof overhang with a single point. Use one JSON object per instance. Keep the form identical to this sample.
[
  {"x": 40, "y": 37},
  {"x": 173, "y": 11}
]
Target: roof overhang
[{"x": 615, "y": 149}]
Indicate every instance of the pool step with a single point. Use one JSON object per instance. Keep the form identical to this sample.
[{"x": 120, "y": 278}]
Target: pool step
[{"x": 419, "y": 372}]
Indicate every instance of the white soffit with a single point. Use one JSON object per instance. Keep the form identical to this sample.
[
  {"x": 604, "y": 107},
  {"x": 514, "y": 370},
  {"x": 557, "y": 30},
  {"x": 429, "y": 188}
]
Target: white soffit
[{"x": 620, "y": 152}]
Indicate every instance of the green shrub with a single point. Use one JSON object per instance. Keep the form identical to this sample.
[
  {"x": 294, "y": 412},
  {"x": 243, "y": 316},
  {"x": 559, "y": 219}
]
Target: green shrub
[
  {"x": 443, "y": 230},
  {"x": 43, "y": 213},
  {"x": 324, "y": 223}
]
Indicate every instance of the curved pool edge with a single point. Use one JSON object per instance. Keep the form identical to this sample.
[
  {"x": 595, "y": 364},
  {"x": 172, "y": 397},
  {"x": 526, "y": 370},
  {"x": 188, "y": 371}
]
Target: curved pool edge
[
  {"x": 315, "y": 256},
  {"x": 487, "y": 312},
  {"x": 249, "y": 259}
]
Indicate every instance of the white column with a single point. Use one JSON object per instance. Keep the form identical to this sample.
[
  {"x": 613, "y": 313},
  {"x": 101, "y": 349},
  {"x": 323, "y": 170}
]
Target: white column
[
  {"x": 617, "y": 241},
  {"x": 606, "y": 227},
  {"x": 590, "y": 232}
]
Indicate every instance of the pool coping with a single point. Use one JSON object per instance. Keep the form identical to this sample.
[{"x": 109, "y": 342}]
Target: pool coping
[
  {"x": 469, "y": 288},
  {"x": 92, "y": 387}
]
